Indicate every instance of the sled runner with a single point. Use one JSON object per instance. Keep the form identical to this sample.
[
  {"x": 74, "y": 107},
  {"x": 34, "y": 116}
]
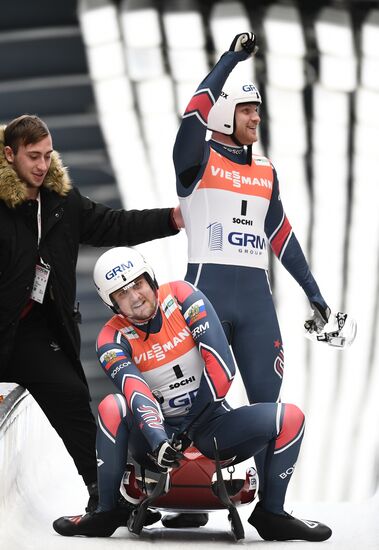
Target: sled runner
[{"x": 190, "y": 488}]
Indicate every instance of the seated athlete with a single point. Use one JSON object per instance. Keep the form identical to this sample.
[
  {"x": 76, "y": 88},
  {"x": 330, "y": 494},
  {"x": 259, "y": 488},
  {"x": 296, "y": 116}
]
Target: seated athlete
[{"x": 166, "y": 352}]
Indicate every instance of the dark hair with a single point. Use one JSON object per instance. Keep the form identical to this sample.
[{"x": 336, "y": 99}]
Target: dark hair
[{"x": 23, "y": 130}]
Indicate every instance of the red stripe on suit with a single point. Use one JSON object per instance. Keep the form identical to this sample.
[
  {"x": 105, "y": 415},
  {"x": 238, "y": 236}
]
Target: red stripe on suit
[
  {"x": 217, "y": 374},
  {"x": 293, "y": 420},
  {"x": 281, "y": 237},
  {"x": 201, "y": 103},
  {"x": 110, "y": 415}
]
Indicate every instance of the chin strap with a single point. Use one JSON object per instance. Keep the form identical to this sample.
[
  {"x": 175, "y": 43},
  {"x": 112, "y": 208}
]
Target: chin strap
[
  {"x": 148, "y": 330},
  {"x": 236, "y": 141},
  {"x": 148, "y": 321},
  {"x": 249, "y": 155}
]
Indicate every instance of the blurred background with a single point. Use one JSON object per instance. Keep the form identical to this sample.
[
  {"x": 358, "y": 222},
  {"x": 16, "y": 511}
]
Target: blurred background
[{"x": 111, "y": 79}]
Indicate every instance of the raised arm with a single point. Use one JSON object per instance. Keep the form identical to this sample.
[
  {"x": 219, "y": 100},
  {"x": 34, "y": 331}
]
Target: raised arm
[{"x": 190, "y": 150}]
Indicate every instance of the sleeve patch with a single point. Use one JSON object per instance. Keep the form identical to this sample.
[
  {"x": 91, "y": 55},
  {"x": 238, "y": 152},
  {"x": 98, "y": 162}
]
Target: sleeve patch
[
  {"x": 195, "y": 312},
  {"x": 111, "y": 356}
]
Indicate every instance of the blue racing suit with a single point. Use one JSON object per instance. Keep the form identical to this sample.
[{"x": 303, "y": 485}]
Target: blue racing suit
[
  {"x": 233, "y": 213},
  {"x": 173, "y": 374}
]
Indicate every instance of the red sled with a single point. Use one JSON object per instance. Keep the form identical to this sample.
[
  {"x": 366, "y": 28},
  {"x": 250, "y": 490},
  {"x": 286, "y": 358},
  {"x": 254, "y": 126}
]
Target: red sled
[{"x": 190, "y": 488}]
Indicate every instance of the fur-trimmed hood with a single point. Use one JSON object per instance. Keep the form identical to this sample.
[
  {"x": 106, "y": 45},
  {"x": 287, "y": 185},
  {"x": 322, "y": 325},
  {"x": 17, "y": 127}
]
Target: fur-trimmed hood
[{"x": 13, "y": 191}]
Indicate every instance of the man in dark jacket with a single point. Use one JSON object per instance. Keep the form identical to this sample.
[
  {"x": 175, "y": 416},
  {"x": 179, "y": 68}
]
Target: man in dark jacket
[{"x": 43, "y": 219}]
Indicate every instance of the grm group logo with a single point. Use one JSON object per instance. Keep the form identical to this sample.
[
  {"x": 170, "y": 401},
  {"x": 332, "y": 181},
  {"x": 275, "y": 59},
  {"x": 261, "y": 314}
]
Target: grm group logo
[
  {"x": 183, "y": 400},
  {"x": 249, "y": 88},
  {"x": 247, "y": 240},
  {"x": 118, "y": 270}
]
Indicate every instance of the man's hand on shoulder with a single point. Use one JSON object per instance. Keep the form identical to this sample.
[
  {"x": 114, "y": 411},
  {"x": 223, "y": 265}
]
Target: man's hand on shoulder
[{"x": 177, "y": 219}]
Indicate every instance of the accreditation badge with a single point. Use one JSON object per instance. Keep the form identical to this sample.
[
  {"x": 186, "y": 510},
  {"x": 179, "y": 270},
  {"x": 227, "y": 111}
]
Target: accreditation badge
[{"x": 40, "y": 283}]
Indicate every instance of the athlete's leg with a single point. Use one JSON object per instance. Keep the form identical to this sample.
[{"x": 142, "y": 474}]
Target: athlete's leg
[
  {"x": 257, "y": 342},
  {"x": 243, "y": 302},
  {"x": 112, "y": 448},
  {"x": 245, "y": 431},
  {"x": 113, "y": 436},
  {"x": 280, "y": 427},
  {"x": 257, "y": 346}
]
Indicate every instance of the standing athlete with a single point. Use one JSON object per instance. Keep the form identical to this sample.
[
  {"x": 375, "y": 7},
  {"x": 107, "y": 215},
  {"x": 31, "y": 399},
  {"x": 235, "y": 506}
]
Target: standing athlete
[
  {"x": 231, "y": 205},
  {"x": 157, "y": 337}
]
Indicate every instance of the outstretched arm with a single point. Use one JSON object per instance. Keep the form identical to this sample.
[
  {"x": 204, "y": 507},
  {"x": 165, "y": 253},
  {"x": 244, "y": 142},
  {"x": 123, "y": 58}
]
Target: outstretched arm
[{"x": 100, "y": 225}]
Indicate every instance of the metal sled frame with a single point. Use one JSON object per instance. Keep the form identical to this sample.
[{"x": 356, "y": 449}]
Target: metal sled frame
[{"x": 161, "y": 488}]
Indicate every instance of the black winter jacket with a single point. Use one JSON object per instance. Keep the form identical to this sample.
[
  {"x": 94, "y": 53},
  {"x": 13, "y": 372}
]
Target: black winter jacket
[{"x": 68, "y": 219}]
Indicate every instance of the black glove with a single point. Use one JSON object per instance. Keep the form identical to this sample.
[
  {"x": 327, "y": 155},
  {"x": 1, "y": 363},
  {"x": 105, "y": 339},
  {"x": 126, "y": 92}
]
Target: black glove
[
  {"x": 245, "y": 41},
  {"x": 319, "y": 318},
  {"x": 182, "y": 442},
  {"x": 166, "y": 455}
]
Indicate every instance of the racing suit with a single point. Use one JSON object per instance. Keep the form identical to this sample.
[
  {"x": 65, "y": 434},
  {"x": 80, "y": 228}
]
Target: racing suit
[
  {"x": 173, "y": 374},
  {"x": 233, "y": 213}
]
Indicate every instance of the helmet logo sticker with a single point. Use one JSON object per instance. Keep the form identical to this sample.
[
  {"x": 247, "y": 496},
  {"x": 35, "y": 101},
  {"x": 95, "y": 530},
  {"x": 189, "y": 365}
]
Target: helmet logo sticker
[
  {"x": 118, "y": 269},
  {"x": 249, "y": 88}
]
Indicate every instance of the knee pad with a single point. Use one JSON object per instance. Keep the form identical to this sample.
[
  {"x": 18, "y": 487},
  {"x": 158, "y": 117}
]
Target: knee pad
[
  {"x": 292, "y": 426},
  {"x": 112, "y": 410}
]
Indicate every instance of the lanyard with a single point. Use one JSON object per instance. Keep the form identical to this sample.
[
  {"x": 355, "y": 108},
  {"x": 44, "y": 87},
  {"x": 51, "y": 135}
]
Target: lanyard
[
  {"x": 39, "y": 225},
  {"x": 39, "y": 218}
]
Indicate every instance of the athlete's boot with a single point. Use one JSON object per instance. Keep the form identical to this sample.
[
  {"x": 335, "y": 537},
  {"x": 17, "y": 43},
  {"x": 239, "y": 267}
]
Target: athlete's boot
[
  {"x": 183, "y": 520},
  {"x": 285, "y": 527},
  {"x": 92, "y": 524},
  {"x": 99, "y": 524}
]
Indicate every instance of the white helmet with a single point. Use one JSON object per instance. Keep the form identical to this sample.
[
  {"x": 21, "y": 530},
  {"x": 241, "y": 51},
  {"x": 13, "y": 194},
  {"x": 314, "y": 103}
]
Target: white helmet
[
  {"x": 339, "y": 332},
  {"x": 221, "y": 116},
  {"x": 117, "y": 268}
]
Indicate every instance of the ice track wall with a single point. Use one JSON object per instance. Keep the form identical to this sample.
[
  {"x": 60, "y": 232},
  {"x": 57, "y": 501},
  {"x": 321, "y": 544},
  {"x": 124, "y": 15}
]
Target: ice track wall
[
  {"x": 35, "y": 475},
  {"x": 38, "y": 483}
]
